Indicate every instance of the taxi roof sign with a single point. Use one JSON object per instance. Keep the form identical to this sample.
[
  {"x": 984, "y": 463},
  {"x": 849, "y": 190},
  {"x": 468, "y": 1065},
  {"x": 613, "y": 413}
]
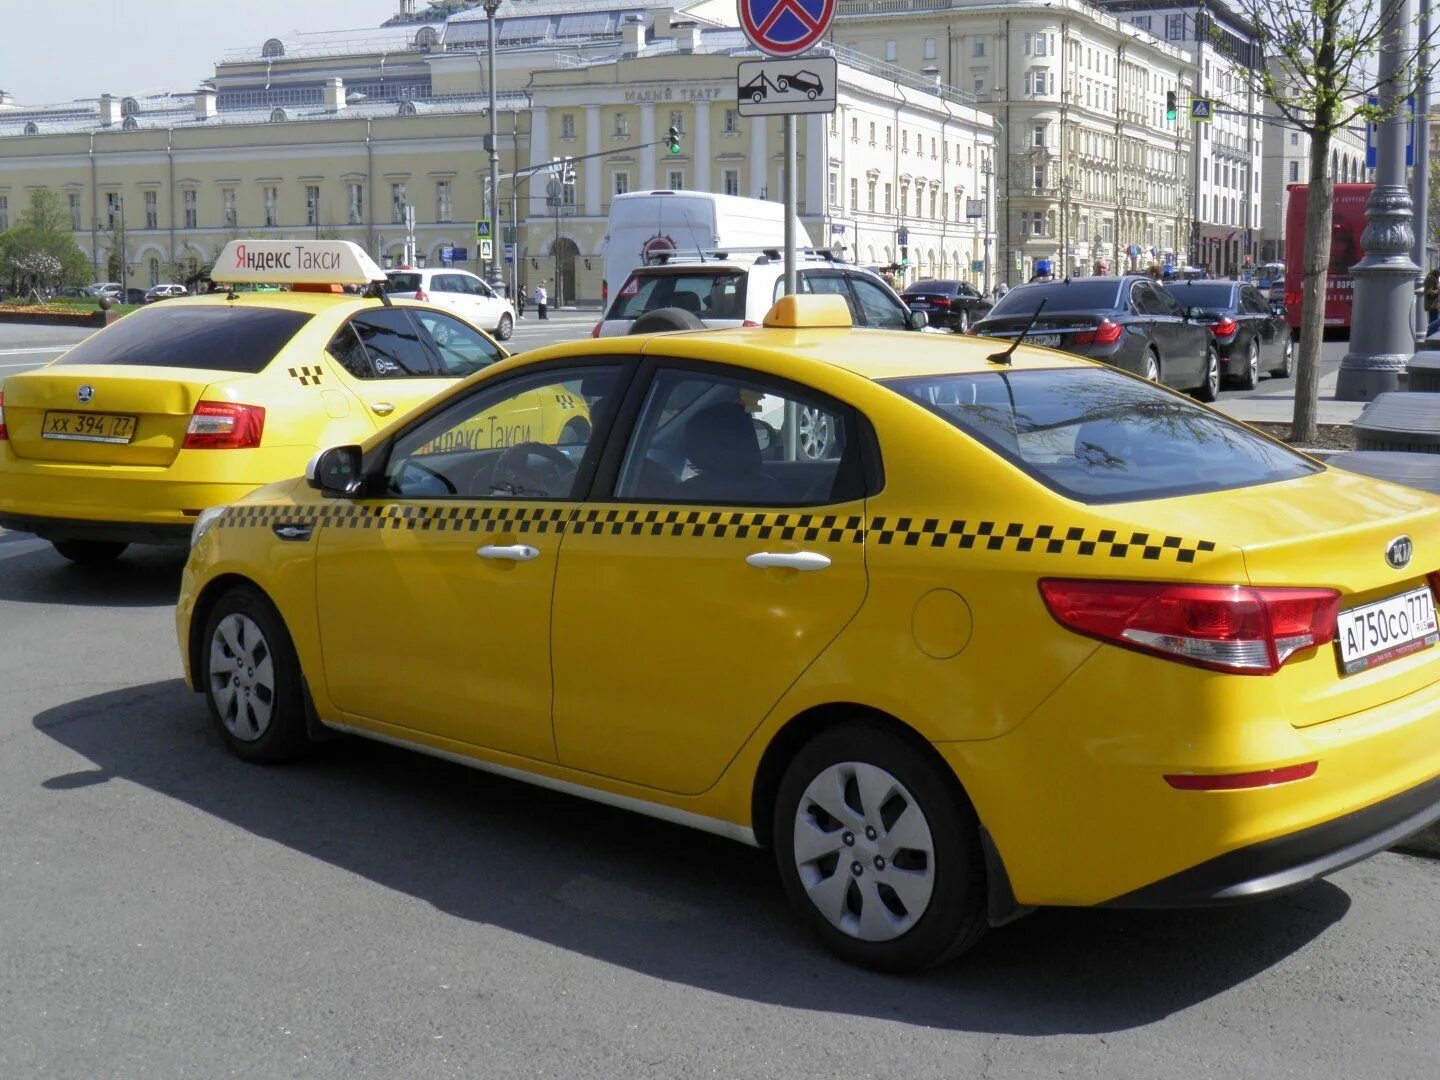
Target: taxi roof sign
[
  {"x": 295, "y": 262},
  {"x": 809, "y": 311}
]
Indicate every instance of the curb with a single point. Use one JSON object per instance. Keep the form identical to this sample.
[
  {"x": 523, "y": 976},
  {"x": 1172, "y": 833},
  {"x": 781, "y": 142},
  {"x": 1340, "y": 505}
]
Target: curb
[{"x": 89, "y": 318}]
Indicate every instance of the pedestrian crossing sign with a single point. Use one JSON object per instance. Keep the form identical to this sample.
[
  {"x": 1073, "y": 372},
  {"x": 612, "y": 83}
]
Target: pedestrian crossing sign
[
  {"x": 1202, "y": 110},
  {"x": 484, "y": 231}
]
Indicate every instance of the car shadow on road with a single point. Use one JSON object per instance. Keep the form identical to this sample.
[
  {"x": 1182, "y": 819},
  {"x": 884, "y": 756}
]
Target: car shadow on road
[
  {"x": 656, "y": 898},
  {"x": 142, "y": 577}
]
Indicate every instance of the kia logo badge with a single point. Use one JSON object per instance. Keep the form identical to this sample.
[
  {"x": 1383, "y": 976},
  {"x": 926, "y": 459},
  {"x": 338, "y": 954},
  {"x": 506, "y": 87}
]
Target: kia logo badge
[
  {"x": 85, "y": 394},
  {"x": 1398, "y": 552}
]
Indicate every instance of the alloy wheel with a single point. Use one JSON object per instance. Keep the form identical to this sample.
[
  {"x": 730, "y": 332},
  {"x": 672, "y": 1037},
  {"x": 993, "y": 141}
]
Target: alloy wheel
[
  {"x": 814, "y": 430},
  {"x": 242, "y": 677}
]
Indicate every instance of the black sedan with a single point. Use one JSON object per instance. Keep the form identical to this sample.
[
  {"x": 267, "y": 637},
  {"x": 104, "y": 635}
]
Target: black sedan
[
  {"x": 1250, "y": 332},
  {"x": 951, "y": 305},
  {"x": 1128, "y": 322}
]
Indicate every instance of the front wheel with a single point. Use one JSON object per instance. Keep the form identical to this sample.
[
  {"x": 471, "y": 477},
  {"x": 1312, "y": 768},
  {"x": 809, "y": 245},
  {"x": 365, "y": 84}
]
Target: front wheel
[
  {"x": 251, "y": 678},
  {"x": 506, "y": 327},
  {"x": 879, "y": 850},
  {"x": 90, "y": 552},
  {"x": 1209, "y": 389}
]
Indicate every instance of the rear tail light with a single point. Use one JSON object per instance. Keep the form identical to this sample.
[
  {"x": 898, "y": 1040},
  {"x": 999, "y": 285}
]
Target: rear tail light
[
  {"x": 596, "y": 331},
  {"x": 1225, "y": 329},
  {"x": 223, "y": 425},
  {"x": 1234, "y": 628},
  {"x": 422, "y": 296},
  {"x": 3, "y": 436},
  {"x": 1107, "y": 333},
  {"x": 941, "y": 301}
]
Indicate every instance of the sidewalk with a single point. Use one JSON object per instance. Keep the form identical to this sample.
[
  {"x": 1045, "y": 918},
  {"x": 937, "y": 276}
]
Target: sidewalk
[{"x": 1279, "y": 408}]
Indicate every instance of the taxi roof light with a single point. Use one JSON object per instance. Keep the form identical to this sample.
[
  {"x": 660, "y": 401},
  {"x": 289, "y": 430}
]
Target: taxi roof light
[
  {"x": 810, "y": 312},
  {"x": 295, "y": 262}
]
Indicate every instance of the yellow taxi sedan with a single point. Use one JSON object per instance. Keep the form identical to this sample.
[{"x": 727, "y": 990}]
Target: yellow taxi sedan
[
  {"x": 1031, "y": 631},
  {"x": 196, "y": 402}
]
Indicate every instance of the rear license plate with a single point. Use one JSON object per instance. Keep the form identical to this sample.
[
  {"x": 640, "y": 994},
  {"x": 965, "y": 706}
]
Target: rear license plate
[
  {"x": 919, "y": 303},
  {"x": 1386, "y": 630},
  {"x": 1049, "y": 341},
  {"x": 88, "y": 427}
]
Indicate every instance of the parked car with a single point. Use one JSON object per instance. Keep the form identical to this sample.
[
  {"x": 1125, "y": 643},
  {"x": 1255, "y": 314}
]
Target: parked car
[
  {"x": 734, "y": 292},
  {"x": 73, "y": 292},
  {"x": 112, "y": 289},
  {"x": 164, "y": 292},
  {"x": 461, "y": 292},
  {"x": 1130, "y": 322},
  {"x": 1251, "y": 336},
  {"x": 132, "y": 296},
  {"x": 950, "y": 305}
]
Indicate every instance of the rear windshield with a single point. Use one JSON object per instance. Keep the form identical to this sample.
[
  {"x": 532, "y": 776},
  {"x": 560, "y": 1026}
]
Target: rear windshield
[
  {"x": 1076, "y": 296},
  {"x": 1211, "y": 296},
  {"x": 402, "y": 283},
  {"x": 242, "y": 339},
  {"x": 710, "y": 296},
  {"x": 929, "y": 286},
  {"x": 1098, "y": 436}
]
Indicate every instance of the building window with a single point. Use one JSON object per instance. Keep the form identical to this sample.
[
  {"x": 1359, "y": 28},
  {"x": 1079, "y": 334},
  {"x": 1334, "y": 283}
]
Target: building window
[
  {"x": 675, "y": 179},
  {"x": 1294, "y": 172},
  {"x": 622, "y": 183},
  {"x": 730, "y": 181},
  {"x": 890, "y": 50},
  {"x": 979, "y": 85},
  {"x": 398, "y": 200},
  {"x": 312, "y": 205},
  {"x": 442, "y": 200},
  {"x": 887, "y": 198},
  {"x": 75, "y": 211},
  {"x": 1175, "y": 27},
  {"x": 1294, "y": 138},
  {"x": 4, "y": 212},
  {"x": 114, "y": 208},
  {"x": 854, "y": 193},
  {"x": 871, "y": 204},
  {"x": 1038, "y": 135},
  {"x": 934, "y": 200},
  {"x": 872, "y": 133},
  {"x": 192, "y": 213},
  {"x": 1039, "y": 44},
  {"x": 567, "y": 125},
  {"x": 732, "y": 121},
  {"x": 904, "y": 141},
  {"x": 929, "y": 48},
  {"x": 622, "y": 126},
  {"x": 889, "y": 139},
  {"x": 152, "y": 210},
  {"x": 854, "y": 130},
  {"x": 677, "y": 120},
  {"x": 1143, "y": 22},
  {"x": 355, "y": 203},
  {"x": 834, "y": 189},
  {"x": 272, "y": 206},
  {"x": 978, "y": 49},
  {"x": 1039, "y": 177},
  {"x": 154, "y": 271},
  {"x": 1032, "y": 223},
  {"x": 227, "y": 202}
]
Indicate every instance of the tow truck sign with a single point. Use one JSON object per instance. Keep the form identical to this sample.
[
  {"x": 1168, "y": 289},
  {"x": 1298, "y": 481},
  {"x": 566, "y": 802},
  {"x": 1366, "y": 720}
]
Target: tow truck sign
[
  {"x": 805, "y": 84},
  {"x": 295, "y": 262}
]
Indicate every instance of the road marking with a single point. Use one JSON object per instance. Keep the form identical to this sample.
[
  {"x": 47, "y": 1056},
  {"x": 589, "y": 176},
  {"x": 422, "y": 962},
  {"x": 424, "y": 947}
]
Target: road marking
[
  {"x": 22, "y": 547},
  {"x": 23, "y": 352},
  {"x": 8, "y": 366}
]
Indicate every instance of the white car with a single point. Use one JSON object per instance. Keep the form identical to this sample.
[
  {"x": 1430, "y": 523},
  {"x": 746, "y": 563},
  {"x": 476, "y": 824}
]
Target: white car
[
  {"x": 461, "y": 292},
  {"x": 112, "y": 289},
  {"x": 165, "y": 292}
]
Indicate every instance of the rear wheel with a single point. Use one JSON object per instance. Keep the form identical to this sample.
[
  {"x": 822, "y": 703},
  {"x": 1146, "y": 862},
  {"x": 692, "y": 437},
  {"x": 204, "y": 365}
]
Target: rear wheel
[
  {"x": 1287, "y": 365},
  {"x": 1209, "y": 389},
  {"x": 1250, "y": 373},
  {"x": 506, "y": 327},
  {"x": 879, "y": 850},
  {"x": 962, "y": 321},
  {"x": 1152, "y": 366},
  {"x": 90, "y": 552}
]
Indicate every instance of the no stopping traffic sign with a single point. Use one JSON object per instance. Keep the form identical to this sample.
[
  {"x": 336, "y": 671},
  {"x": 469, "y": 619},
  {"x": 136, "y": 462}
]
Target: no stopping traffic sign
[{"x": 785, "y": 27}]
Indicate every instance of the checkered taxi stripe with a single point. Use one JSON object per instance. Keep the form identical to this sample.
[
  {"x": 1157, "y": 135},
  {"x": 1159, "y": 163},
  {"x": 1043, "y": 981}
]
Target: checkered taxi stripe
[
  {"x": 306, "y": 376},
  {"x": 700, "y": 524}
]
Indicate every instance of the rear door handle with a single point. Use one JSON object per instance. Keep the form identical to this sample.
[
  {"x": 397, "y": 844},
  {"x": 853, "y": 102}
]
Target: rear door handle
[
  {"x": 509, "y": 552},
  {"x": 799, "y": 560},
  {"x": 382, "y": 408}
]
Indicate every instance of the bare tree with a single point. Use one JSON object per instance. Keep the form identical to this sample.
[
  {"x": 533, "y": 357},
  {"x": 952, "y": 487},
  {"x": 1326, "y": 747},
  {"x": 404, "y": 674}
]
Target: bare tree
[{"x": 1320, "y": 79}]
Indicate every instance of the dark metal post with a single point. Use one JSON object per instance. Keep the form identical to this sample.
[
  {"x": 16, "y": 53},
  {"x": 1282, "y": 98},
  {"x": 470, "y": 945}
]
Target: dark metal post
[{"x": 493, "y": 203}]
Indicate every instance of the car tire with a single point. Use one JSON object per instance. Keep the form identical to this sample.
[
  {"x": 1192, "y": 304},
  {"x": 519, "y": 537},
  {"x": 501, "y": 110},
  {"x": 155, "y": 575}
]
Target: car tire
[
  {"x": 1151, "y": 370},
  {"x": 850, "y": 894},
  {"x": 250, "y": 675},
  {"x": 90, "y": 552},
  {"x": 1287, "y": 365},
  {"x": 1249, "y": 377},
  {"x": 1209, "y": 389},
  {"x": 575, "y": 433},
  {"x": 962, "y": 322},
  {"x": 506, "y": 327}
]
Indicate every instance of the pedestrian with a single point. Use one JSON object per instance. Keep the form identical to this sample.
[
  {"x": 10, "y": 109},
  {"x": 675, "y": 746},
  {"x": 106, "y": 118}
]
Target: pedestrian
[
  {"x": 1002, "y": 289},
  {"x": 520, "y": 303},
  {"x": 1432, "y": 300},
  {"x": 541, "y": 300}
]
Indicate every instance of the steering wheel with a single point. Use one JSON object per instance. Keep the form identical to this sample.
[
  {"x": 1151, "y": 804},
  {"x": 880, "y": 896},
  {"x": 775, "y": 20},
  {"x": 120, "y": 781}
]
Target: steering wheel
[{"x": 514, "y": 473}]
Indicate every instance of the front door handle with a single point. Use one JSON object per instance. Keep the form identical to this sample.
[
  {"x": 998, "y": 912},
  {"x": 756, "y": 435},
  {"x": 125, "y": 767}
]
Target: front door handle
[
  {"x": 382, "y": 408},
  {"x": 509, "y": 552},
  {"x": 798, "y": 560}
]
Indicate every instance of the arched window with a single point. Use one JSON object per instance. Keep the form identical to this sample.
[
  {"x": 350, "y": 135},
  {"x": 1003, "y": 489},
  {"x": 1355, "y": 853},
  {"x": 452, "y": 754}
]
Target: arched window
[
  {"x": 273, "y": 48},
  {"x": 427, "y": 38},
  {"x": 31, "y": 129},
  {"x": 407, "y": 108},
  {"x": 278, "y": 116},
  {"x": 129, "y": 106},
  {"x": 131, "y": 124}
]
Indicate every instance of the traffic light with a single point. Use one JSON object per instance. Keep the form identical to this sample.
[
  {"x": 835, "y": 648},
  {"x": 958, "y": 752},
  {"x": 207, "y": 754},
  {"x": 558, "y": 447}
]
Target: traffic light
[
  {"x": 1169, "y": 104},
  {"x": 904, "y": 255},
  {"x": 567, "y": 172},
  {"x": 673, "y": 140}
]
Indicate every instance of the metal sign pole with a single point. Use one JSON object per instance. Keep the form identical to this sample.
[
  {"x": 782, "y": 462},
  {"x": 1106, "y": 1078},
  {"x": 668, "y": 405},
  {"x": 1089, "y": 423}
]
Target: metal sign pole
[{"x": 790, "y": 204}]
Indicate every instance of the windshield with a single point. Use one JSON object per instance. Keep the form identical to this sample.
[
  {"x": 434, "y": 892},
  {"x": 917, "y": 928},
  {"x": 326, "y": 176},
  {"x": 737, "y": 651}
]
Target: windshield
[
  {"x": 1210, "y": 296},
  {"x": 1098, "y": 436},
  {"x": 708, "y": 295},
  {"x": 1076, "y": 296},
  {"x": 932, "y": 286},
  {"x": 242, "y": 339}
]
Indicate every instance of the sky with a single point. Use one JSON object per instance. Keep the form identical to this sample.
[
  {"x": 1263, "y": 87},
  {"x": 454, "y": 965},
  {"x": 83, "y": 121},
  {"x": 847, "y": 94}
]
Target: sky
[{"x": 137, "y": 46}]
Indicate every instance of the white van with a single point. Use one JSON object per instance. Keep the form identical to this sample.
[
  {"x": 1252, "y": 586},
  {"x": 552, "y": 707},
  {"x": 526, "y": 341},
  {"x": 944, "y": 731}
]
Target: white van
[{"x": 646, "y": 224}]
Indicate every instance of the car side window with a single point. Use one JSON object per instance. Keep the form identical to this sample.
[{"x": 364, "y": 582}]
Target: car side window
[
  {"x": 529, "y": 437},
  {"x": 448, "y": 283},
  {"x": 733, "y": 440},
  {"x": 462, "y": 349},
  {"x": 1254, "y": 303},
  {"x": 878, "y": 306},
  {"x": 394, "y": 345},
  {"x": 1145, "y": 302},
  {"x": 1168, "y": 305},
  {"x": 475, "y": 287},
  {"x": 345, "y": 349},
  {"x": 824, "y": 283}
]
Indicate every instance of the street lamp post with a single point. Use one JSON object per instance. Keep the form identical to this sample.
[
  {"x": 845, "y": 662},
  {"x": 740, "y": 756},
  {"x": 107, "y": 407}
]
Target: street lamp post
[
  {"x": 987, "y": 170},
  {"x": 1382, "y": 336},
  {"x": 491, "y": 7}
]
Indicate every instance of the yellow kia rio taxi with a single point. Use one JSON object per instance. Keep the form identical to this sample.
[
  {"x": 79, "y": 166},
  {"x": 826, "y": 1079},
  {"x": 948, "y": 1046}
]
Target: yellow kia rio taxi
[
  {"x": 196, "y": 402},
  {"x": 1030, "y": 631}
]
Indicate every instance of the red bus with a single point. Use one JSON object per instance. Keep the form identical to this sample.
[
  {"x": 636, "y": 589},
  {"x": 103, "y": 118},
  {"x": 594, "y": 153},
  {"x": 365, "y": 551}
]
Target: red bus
[{"x": 1346, "y": 228}]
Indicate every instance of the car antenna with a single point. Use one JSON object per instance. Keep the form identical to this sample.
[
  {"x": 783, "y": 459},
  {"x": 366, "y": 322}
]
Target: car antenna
[
  {"x": 377, "y": 292},
  {"x": 1004, "y": 357}
]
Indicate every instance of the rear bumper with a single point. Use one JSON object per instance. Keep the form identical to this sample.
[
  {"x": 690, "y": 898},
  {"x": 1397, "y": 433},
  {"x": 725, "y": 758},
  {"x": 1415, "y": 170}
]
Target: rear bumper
[
  {"x": 1290, "y": 862},
  {"x": 57, "y": 528}
]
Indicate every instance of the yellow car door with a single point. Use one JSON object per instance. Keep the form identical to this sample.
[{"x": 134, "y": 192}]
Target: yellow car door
[
  {"x": 434, "y": 586},
  {"x": 731, "y": 555}
]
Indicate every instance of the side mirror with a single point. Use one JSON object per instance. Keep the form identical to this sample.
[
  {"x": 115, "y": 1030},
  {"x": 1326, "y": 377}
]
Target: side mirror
[
  {"x": 918, "y": 320},
  {"x": 335, "y": 472},
  {"x": 1195, "y": 313},
  {"x": 1278, "y": 309}
]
